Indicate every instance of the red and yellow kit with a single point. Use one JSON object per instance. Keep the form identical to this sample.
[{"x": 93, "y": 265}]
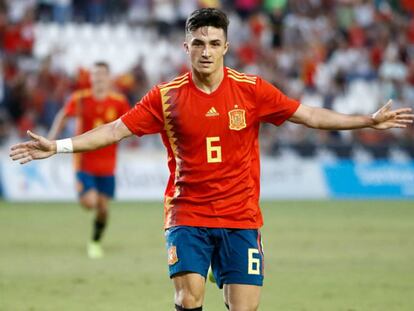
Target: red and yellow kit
[
  {"x": 213, "y": 148},
  {"x": 90, "y": 113}
]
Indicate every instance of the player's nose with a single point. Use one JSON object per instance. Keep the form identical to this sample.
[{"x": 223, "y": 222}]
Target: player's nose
[{"x": 206, "y": 52}]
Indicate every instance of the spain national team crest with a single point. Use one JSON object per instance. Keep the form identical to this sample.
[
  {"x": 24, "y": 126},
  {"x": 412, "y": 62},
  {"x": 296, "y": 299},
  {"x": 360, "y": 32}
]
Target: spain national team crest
[
  {"x": 172, "y": 255},
  {"x": 237, "y": 119}
]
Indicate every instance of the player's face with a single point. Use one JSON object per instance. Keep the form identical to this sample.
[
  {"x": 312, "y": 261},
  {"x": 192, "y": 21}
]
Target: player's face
[
  {"x": 206, "y": 47},
  {"x": 100, "y": 78}
]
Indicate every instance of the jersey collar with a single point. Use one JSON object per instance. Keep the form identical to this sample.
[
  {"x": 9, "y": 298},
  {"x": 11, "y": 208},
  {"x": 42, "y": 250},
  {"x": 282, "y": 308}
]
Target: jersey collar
[{"x": 217, "y": 91}]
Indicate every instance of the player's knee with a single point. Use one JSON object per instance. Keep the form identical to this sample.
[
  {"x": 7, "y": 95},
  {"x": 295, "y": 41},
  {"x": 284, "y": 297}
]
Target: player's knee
[
  {"x": 87, "y": 205},
  {"x": 88, "y": 202},
  {"x": 102, "y": 210},
  {"x": 102, "y": 204},
  {"x": 188, "y": 300}
]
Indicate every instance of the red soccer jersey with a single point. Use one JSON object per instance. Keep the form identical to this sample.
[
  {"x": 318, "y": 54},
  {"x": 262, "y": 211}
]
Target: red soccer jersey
[
  {"x": 212, "y": 143},
  {"x": 91, "y": 113}
]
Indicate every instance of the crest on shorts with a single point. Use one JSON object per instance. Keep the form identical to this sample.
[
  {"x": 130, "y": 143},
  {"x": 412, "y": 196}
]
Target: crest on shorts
[
  {"x": 237, "y": 119},
  {"x": 172, "y": 255}
]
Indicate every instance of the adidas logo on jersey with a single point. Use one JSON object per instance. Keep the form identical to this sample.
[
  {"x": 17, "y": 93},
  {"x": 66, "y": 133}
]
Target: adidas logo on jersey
[{"x": 212, "y": 112}]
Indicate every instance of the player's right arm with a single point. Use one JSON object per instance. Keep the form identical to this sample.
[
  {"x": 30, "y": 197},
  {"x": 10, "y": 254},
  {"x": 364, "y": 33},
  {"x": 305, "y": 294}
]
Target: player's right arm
[
  {"x": 40, "y": 147},
  {"x": 69, "y": 110},
  {"x": 58, "y": 124}
]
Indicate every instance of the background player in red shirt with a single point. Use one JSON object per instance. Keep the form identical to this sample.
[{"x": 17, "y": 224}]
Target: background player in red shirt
[
  {"x": 209, "y": 121},
  {"x": 95, "y": 169}
]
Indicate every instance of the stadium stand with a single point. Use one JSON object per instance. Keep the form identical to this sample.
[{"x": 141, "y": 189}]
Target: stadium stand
[{"x": 349, "y": 55}]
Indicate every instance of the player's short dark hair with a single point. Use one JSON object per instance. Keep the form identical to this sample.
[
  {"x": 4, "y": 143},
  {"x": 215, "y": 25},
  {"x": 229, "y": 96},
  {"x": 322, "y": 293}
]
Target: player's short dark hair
[
  {"x": 102, "y": 64},
  {"x": 207, "y": 17}
]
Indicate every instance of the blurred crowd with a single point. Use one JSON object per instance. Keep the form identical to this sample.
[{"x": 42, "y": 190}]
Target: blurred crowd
[{"x": 347, "y": 55}]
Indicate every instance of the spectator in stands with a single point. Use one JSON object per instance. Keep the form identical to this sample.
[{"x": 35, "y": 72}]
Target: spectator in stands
[{"x": 349, "y": 40}]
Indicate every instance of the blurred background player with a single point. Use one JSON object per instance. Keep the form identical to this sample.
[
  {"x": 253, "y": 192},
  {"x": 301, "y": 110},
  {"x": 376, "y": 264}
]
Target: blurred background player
[{"x": 94, "y": 170}]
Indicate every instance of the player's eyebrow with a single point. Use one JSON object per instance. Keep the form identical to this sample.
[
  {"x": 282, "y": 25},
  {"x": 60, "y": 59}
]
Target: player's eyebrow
[
  {"x": 216, "y": 41},
  {"x": 197, "y": 41}
]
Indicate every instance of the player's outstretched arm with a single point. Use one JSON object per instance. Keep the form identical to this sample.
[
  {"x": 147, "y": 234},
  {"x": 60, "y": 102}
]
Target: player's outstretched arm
[
  {"x": 384, "y": 118},
  {"x": 40, "y": 147}
]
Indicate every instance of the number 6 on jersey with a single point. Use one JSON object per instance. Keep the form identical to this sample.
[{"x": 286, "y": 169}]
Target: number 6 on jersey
[{"x": 213, "y": 151}]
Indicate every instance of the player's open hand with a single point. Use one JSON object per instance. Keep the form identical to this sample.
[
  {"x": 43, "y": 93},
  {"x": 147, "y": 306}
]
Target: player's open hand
[
  {"x": 37, "y": 148},
  {"x": 386, "y": 118}
]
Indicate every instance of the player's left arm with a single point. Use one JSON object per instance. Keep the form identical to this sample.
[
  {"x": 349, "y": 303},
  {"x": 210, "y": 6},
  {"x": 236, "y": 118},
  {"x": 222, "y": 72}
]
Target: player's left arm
[{"x": 326, "y": 119}]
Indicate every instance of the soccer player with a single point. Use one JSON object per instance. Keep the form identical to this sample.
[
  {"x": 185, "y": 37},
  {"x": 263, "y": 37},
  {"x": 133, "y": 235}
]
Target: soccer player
[
  {"x": 209, "y": 121},
  {"x": 95, "y": 169}
]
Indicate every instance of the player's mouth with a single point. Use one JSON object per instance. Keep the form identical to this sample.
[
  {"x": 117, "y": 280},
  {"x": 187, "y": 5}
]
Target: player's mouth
[{"x": 205, "y": 63}]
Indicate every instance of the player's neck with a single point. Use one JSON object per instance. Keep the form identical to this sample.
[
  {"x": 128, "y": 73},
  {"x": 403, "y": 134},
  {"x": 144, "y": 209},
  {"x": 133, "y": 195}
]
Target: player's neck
[
  {"x": 99, "y": 94},
  {"x": 208, "y": 83}
]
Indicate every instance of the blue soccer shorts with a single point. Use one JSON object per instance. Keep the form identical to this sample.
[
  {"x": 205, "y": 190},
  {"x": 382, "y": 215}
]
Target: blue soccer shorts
[
  {"x": 102, "y": 184},
  {"x": 235, "y": 255}
]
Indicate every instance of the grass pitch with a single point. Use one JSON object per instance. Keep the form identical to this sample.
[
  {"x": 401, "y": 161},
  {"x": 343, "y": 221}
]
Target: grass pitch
[{"x": 320, "y": 256}]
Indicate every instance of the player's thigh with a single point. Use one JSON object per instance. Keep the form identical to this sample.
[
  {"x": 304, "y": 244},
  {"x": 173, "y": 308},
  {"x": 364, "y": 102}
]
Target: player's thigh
[
  {"x": 105, "y": 186},
  {"x": 86, "y": 188},
  {"x": 189, "y": 254},
  {"x": 238, "y": 258},
  {"x": 242, "y": 297},
  {"x": 189, "y": 250}
]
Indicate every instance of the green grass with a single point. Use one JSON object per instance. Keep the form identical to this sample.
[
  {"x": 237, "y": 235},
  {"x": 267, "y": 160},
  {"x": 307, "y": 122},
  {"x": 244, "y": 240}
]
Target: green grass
[{"x": 333, "y": 256}]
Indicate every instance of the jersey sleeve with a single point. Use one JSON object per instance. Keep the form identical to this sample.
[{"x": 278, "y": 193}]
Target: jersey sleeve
[
  {"x": 273, "y": 106},
  {"x": 146, "y": 117}
]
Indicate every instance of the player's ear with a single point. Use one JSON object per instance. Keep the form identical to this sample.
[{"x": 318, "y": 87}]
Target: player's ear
[
  {"x": 226, "y": 47},
  {"x": 185, "y": 44}
]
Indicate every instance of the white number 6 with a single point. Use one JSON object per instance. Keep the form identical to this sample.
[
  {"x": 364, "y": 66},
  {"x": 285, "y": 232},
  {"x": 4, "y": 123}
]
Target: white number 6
[
  {"x": 213, "y": 151},
  {"x": 254, "y": 263}
]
